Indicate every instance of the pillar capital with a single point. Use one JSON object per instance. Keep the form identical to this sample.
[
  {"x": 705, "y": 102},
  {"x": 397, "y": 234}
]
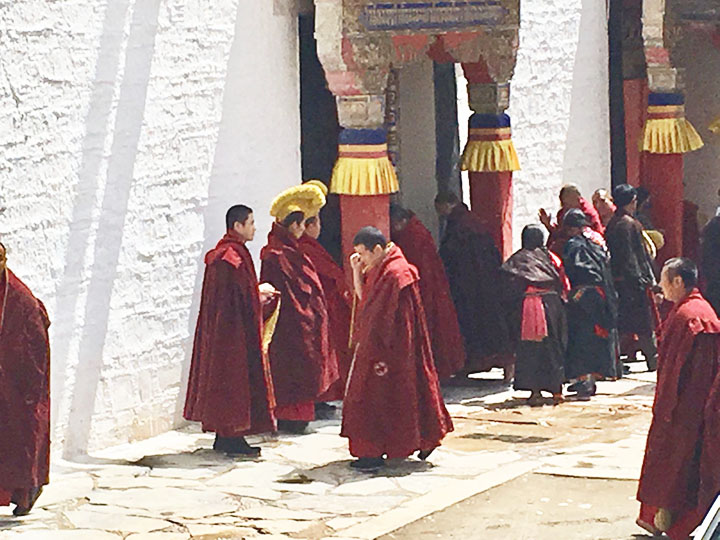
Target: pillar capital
[
  {"x": 361, "y": 111},
  {"x": 489, "y": 98}
]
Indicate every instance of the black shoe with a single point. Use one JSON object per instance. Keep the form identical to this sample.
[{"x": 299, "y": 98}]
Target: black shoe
[
  {"x": 221, "y": 443},
  {"x": 296, "y": 427},
  {"x": 626, "y": 369},
  {"x": 238, "y": 446},
  {"x": 588, "y": 389},
  {"x": 652, "y": 364},
  {"x": 575, "y": 387},
  {"x": 424, "y": 454},
  {"x": 20, "y": 511},
  {"x": 368, "y": 463},
  {"x": 325, "y": 411}
]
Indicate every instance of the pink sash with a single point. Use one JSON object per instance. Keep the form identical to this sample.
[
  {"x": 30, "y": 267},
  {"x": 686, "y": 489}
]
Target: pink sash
[{"x": 534, "y": 323}]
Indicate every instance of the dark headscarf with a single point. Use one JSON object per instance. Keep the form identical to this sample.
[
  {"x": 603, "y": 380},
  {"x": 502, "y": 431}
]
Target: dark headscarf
[
  {"x": 624, "y": 195},
  {"x": 533, "y": 237},
  {"x": 575, "y": 218}
]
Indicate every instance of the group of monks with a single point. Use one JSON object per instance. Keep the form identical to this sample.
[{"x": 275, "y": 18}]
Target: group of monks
[
  {"x": 270, "y": 353},
  {"x": 380, "y": 334}
]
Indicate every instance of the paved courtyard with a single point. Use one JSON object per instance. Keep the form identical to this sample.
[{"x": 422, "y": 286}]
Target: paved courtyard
[{"x": 174, "y": 487}]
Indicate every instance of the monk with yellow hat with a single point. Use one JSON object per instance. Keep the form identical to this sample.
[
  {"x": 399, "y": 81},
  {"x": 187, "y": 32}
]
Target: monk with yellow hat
[
  {"x": 337, "y": 294},
  {"x": 301, "y": 359}
]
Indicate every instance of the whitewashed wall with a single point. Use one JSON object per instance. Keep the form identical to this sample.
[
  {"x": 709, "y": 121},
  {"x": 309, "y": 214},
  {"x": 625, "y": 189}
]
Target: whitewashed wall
[
  {"x": 559, "y": 104},
  {"x": 127, "y": 127},
  {"x": 416, "y": 125}
]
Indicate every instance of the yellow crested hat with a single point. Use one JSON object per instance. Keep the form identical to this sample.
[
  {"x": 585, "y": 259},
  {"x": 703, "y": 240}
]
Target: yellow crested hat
[
  {"x": 305, "y": 198},
  {"x": 318, "y": 184}
]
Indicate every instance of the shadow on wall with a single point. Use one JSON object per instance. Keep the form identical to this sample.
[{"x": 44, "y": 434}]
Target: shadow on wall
[
  {"x": 587, "y": 144},
  {"x": 261, "y": 91},
  {"x": 126, "y": 133}
]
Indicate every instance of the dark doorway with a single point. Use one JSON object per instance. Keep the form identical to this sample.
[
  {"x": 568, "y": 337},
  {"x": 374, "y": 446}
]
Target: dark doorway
[{"x": 319, "y": 130}]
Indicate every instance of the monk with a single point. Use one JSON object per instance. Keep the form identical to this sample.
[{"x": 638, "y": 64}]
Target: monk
[
  {"x": 339, "y": 305},
  {"x": 536, "y": 288},
  {"x": 472, "y": 262},
  {"x": 710, "y": 265},
  {"x": 679, "y": 478},
  {"x": 24, "y": 393},
  {"x": 393, "y": 406},
  {"x": 302, "y": 360},
  {"x": 570, "y": 198},
  {"x": 603, "y": 203},
  {"x": 634, "y": 276},
  {"x": 230, "y": 390},
  {"x": 418, "y": 246},
  {"x": 591, "y": 309}
]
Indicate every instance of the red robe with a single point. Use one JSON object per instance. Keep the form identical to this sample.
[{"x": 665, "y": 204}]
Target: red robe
[
  {"x": 230, "y": 390},
  {"x": 24, "y": 390},
  {"x": 688, "y": 367},
  {"x": 303, "y": 366},
  {"x": 418, "y": 247},
  {"x": 472, "y": 262},
  {"x": 339, "y": 303},
  {"x": 393, "y": 404}
]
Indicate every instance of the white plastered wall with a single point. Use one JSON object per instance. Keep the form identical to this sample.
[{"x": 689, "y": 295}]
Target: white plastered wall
[{"x": 126, "y": 130}]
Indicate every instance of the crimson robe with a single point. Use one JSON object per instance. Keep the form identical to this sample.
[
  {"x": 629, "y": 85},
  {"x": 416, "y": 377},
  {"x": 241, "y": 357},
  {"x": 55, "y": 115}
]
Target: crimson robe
[
  {"x": 230, "y": 390},
  {"x": 24, "y": 389},
  {"x": 303, "y": 364},
  {"x": 472, "y": 262},
  {"x": 393, "y": 403},
  {"x": 679, "y": 444},
  {"x": 339, "y": 304},
  {"x": 418, "y": 247}
]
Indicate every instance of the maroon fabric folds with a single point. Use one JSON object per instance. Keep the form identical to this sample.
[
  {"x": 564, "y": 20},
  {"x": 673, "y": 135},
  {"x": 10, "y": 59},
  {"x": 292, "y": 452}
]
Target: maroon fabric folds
[
  {"x": 472, "y": 262},
  {"x": 393, "y": 403},
  {"x": 24, "y": 387},
  {"x": 681, "y": 442},
  {"x": 339, "y": 304},
  {"x": 303, "y": 364},
  {"x": 230, "y": 390},
  {"x": 418, "y": 247}
]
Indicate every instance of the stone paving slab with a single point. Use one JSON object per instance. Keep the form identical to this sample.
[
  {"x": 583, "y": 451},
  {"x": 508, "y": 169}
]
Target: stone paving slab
[{"x": 174, "y": 487}]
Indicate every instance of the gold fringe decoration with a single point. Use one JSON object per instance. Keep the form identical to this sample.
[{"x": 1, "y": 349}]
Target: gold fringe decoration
[
  {"x": 669, "y": 135},
  {"x": 364, "y": 176},
  {"x": 269, "y": 328},
  {"x": 490, "y": 156}
]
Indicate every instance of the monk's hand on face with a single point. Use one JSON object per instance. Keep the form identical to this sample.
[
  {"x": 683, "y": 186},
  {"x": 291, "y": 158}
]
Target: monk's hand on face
[
  {"x": 267, "y": 292},
  {"x": 356, "y": 263}
]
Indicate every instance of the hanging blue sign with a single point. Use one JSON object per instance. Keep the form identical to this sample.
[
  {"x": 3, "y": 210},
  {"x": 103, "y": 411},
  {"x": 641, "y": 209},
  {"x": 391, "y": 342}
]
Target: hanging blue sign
[{"x": 437, "y": 15}]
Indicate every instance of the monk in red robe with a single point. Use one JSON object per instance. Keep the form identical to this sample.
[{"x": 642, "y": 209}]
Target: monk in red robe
[
  {"x": 677, "y": 486},
  {"x": 418, "y": 246},
  {"x": 24, "y": 393},
  {"x": 472, "y": 263},
  {"x": 339, "y": 304},
  {"x": 570, "y": 198},
  {"x": 303, "y": 364},
  {"x": 393, "y": 406},
  {"x": 230, "y": 390}
]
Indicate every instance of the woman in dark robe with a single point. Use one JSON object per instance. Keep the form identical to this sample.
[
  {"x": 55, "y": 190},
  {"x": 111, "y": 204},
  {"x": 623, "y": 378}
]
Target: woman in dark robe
[
  {"x": 592, "y": 310},
  {"x": 536, "y": 284}
]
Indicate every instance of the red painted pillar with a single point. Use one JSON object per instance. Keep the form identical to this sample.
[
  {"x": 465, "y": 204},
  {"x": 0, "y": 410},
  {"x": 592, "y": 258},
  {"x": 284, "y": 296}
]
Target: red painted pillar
[
  {"x": 664, "y": 180},
  {"x": 491, "y": 199},
  {"x": 360, "y": 211},
  {"x": 636, "y": 95}
]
